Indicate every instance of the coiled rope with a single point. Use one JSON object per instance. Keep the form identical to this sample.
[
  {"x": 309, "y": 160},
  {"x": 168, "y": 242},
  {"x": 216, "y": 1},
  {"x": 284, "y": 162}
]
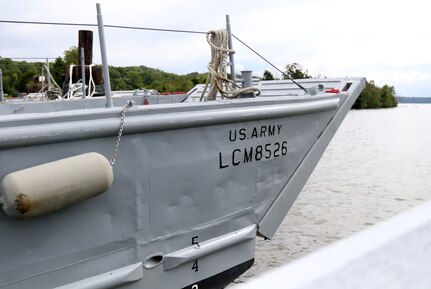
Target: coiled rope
[{"x": 217, "y": 77}]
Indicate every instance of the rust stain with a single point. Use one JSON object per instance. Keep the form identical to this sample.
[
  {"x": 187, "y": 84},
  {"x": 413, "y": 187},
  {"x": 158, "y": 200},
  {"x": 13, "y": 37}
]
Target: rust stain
[{"x": 22, "y": 203}]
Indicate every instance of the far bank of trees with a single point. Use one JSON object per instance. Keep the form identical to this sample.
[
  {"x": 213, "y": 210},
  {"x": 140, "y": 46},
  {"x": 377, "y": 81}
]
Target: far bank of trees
[
  {"x": 376, "y": 97},
  {"x": 22, "y": 77},
  {"x": 19, "y": 76},
  {"x": 291, "y": 71}
]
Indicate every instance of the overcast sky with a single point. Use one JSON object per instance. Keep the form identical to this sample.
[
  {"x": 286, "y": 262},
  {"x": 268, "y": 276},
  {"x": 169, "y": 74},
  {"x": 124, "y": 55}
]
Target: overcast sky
[{"x": 388, "y": 41}]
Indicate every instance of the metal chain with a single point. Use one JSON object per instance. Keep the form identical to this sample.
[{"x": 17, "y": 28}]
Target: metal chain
[{"x": 120, "y": 132}]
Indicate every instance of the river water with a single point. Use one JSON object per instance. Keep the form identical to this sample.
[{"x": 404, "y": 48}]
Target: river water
[{"x": 377, "y": 165}]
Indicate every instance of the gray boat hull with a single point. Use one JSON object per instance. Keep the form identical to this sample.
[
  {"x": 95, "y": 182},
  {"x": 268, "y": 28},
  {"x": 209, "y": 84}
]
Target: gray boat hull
[{"x": 193, "y": 185}]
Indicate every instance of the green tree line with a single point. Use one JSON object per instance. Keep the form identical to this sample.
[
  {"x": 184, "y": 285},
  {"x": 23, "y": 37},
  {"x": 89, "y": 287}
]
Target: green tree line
[
  {"x": 376, "y": 97},
  {"x": 129, "y": 78},
  {"x": 21, "y": 76}
]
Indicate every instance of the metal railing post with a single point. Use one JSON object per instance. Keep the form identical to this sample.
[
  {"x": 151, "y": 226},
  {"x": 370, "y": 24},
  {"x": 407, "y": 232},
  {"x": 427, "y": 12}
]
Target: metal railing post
[
  {"x": 231, "y": 58},
  {"x": 42, "y": 80},
  {"x": 83, "y": 72},
  {"x": 48, "y": 74},
  {"x": 107, "y": 82}
]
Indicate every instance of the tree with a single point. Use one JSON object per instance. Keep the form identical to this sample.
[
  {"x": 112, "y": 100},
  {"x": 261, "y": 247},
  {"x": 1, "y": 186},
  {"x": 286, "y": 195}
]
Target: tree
[
  {"x": 58, "y": 69},
  {"x": 71, "y": 56},
  {"x": 268, "y": 75},
  {"x": 16, "y": 75},
  {"x": 295, "y": 71},
  {"x": 388, "y": 96},
  {"x": 135, "y": 77},
  {"x": 375, "y": 97}
]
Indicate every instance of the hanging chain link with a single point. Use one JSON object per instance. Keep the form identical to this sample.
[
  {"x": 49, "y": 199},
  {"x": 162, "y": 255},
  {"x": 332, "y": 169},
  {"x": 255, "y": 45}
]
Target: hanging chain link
[{"x": 120, "y": 132}]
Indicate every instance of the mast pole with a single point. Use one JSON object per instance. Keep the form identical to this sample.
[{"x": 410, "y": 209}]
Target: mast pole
[
  {"x": 48, "y": 74},
  {"x": 107, "y": 82},
  {"x": 82, "y": 71},
  {"x": 231, "y": 58}
]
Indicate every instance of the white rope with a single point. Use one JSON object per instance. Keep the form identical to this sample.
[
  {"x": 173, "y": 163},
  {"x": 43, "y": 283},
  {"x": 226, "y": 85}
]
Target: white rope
[
  {"x": 50, "y": 76},
  {"x": 91, "y": 82},
  {"x": 75, "y": 89},
  {"x": 53, "y": 91},
  {"x": 68, "y": 94},
  {"x": 217, "y": 77}
]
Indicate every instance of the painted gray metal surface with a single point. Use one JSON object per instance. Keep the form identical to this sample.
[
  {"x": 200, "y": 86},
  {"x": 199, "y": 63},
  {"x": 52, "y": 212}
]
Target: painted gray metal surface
[
  {"x": 70, "y": 126},
  {"x": 185, "y": 173},
  {"x": 112, "y": 279},
  {"x": 25, "y": 107},
  {"x": 48, "y": 74},
  {"x": 82, "y": 71},
  {"x": 246, "y": 78},
  {"x": 231, "y": 54},
  {"x": 106, "y": 78},
  {"x": 199, "y": 250}
]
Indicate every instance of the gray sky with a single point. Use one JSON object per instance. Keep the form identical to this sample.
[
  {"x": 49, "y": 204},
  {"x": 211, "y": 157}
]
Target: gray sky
[{"x": 386, "y": 41}]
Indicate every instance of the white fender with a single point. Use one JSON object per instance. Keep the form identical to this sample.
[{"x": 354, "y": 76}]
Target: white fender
[{"x": 49, "y": 187}]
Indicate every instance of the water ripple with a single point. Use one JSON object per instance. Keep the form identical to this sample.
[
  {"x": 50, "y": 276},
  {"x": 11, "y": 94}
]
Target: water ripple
[{"x": 377, "y": 165}]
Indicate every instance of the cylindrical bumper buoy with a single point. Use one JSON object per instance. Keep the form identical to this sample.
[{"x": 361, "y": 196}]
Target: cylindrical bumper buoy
[{"x": 49, "y": 187}]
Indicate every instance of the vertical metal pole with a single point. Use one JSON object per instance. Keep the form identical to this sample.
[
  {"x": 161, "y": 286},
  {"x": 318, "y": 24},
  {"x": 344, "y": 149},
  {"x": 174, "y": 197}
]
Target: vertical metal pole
[
  {"x": 1, "y": 86},
  {"x": 42, "y": 80},
  {"x": 83, "y": 72},
  {"x": 48, "y": 72},
  {"x": 107, "y": 81},
  {"x": 247, "y": 81},
  {"x": 247, "y": 78},
  {"x": 231, "y": 59}
]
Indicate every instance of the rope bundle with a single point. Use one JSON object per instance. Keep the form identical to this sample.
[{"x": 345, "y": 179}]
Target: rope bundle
[{"x": 217, "y": 77}]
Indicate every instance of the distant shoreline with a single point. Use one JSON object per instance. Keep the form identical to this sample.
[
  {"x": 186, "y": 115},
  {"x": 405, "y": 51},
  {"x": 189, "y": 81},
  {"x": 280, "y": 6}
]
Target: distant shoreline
[{"x": 403, "y": 99}]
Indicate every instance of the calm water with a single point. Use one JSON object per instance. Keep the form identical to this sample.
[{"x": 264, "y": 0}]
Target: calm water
[{"x": 377, "y": 165}]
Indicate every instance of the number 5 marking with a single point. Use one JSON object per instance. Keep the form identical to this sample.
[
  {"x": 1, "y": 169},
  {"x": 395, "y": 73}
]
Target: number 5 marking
[{"x": 195, "y": 242}]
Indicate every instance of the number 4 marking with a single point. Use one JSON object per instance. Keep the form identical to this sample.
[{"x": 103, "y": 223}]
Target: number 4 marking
[{"x": 195, "y": 266}]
